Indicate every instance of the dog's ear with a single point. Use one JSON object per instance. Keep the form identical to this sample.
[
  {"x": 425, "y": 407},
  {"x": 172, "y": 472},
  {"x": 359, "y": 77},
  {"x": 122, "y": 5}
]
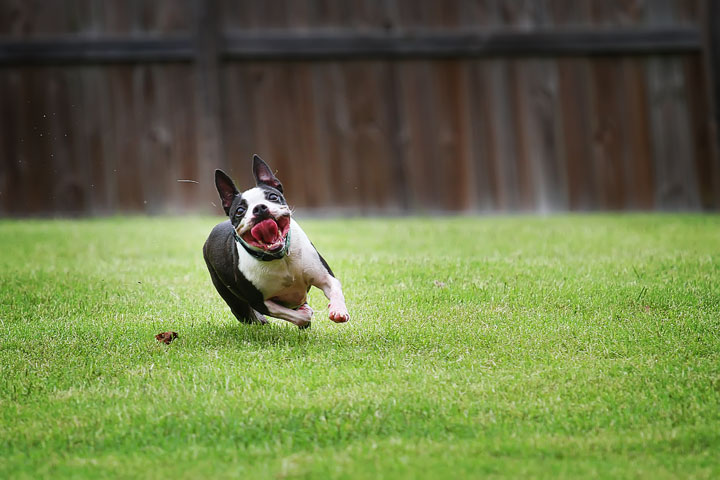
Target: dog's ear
[
  {"x": 226, "y": 188},
  {"x": 263, "y": 174}
]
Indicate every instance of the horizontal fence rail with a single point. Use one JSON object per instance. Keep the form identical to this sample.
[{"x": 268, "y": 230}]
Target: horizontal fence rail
[{"x": 336, "y": 45}]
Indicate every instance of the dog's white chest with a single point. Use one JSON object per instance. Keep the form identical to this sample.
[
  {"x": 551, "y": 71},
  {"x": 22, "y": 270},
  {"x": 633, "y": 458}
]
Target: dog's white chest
[{"x": 287, "y": 278}]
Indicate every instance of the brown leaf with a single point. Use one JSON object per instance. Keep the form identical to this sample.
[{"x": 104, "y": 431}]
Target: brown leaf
[{"x": 166, "y": 337}]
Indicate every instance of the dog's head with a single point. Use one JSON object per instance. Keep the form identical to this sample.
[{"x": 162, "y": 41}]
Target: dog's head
[{"x": 260, "y": 215}]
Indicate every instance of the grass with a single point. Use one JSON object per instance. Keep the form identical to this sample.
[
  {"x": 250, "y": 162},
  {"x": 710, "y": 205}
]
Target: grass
[{"x": 566, "y": 346}]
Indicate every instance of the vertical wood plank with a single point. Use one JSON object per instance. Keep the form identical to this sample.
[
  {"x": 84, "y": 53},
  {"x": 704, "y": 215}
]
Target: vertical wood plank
[
  {"x": 608, "y": 149},
  {"x": 10, "y": 137},
  {"x": 125, "y": 160},
  {"x": 397, "y": 162},
  {"x": 304, "y": 150},
  {"x": 482, "y": 140},
  {"x": 452, "y": 136},
  {"x": 66, "y": 188},
  {"x": 183, "y": 146},
  {"x": 610, "y": 152},
  {"x": 710, "y": 13},
  {"x": 503, "y": 130},
  {"x": 78, "y": 134},
  {"x": 538, "y": 90},
  {"x": 575, "y": 109},
  {"x": 577, "y": 137},
  {"x": 207, "y": 100},
  {"x": 676, "y": 179},
  {"x": 638, "y": 171},
  {"x": 676, "y": 182},
  {"x": 330, "y": 148},
  {"x": 36, "y": 179},
  {"x": 419, "y": 129},
  {"x": 239, "y": 125},
  {"x": 358, "y": 76},
  {"x": 294, "y": 132}
]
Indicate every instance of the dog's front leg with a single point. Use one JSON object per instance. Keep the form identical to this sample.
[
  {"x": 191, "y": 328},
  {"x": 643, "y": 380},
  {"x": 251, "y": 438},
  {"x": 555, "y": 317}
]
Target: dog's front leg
[
  {"x": 300, "y": 317},
  {"x": 337, "y": 311}
]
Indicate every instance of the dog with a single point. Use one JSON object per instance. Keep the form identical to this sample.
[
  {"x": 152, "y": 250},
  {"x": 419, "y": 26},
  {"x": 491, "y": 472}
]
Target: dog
[{"x": 260, "y": 260}]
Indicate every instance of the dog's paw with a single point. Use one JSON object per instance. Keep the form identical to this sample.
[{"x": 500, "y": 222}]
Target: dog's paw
[
  {"x": 260, "y": 318},
  {"x": 306, "y": 311},
  {"x": 338, "y": 313},
  {"x": 306, "y": 316}
]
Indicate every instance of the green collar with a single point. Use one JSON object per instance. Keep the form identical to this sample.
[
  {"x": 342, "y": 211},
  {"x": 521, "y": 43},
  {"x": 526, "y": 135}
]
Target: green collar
[{"x": 261, "y": 254}]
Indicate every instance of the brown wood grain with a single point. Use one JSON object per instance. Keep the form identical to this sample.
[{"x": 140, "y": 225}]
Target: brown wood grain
[
  {"x": 397, "y": 162},
  {"x": 35, "y": 163},
  {"x": 709, "y": 20},
  {"x": 638, "y": 171},
  {"x": 419, "y": 126},
  {"x": 609, "y": 152},
  {"x": 239, "y": 128},
  {"x": 370, "y": 134},
  {"x": 452, "y": 135},
  {"x": 675, "y": 175},
  {"x": 540, "y": 126},
  {"x": 370, "y": 140},
  {"x": 482, "y": 148},
  {"x": 700, "y": 129},
  {"x": 332, "y": 168},
  {"x": 676, "y": 180},
  {"x": 10, "y": 138},
  {"x": 577, "y": 136},
  {"x": 128, "y": 96},
  {"x": 504, "y": 132},
  {"x": 67, "y": 189},
  {"x": 324, "y": 179}
]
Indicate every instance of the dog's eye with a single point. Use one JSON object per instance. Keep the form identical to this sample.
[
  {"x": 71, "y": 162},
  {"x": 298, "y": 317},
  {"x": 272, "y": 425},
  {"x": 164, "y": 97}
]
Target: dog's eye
[
  {"x": 273, "y": 197},
  {"x": 240, "y": 212}
]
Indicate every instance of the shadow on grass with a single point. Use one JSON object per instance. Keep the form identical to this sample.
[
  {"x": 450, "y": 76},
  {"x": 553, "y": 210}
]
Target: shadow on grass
[{"x": 229, "y": 334}]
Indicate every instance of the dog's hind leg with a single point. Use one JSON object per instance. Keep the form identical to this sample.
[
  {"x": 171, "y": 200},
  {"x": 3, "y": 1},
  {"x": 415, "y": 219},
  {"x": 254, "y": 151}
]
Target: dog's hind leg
[
  {"x": 300, "y": 317},
  {"x": 240, "y": 308}
]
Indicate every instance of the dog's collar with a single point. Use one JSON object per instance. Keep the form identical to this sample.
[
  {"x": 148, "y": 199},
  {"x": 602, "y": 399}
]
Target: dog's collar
[{"x": 261, "y": 254}]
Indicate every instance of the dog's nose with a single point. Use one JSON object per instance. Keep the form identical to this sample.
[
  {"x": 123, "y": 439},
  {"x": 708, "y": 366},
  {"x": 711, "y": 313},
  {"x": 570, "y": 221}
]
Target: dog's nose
[{"x": 260, "y": 210}]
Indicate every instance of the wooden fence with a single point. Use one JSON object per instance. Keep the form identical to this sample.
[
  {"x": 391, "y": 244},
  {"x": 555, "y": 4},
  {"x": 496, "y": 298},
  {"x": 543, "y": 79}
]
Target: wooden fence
[{"x": 365, "y": 105}]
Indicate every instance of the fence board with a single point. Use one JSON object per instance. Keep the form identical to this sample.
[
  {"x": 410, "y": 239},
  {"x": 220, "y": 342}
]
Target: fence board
[
  {"x": 66, "y": 192},
  {"x": 504, "y": 131},
  {"x": 609, "y": 138},
  {"x": 330, "y": 148},
  {"x": 8, "y": 141},
  {"x": 479, "y": 143},
  {"x": 576, "y": 147},
  {"x": 710, "y": 25},
  {"x": 239, "y": 127},
  {"x": 538, "y": 90},
  {"x": 675, "y": 176},
  {"x": 637, "y": 172},
  {"x": 452, "y": 135}
]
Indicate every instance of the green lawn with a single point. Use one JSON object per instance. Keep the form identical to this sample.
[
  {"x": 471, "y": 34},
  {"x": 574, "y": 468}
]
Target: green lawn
[{"x": 566, "y": 346}]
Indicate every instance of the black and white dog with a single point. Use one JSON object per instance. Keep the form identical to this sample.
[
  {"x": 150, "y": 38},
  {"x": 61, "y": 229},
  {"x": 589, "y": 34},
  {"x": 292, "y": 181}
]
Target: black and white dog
[{"x": 260, "y": 261}]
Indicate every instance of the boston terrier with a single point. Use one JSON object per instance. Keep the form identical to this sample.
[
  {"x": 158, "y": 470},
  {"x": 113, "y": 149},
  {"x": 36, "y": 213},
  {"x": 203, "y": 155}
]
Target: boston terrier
[{"x": 260, "y": 260}]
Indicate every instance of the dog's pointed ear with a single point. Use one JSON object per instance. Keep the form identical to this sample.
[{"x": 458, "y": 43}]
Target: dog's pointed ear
[
  {"x": 226, "y": 188},
  {"x": 263, "y": 174}
]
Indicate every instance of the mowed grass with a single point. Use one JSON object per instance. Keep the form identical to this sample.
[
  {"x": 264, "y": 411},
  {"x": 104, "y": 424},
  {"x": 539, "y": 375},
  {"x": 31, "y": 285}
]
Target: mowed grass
[{"x": 565, "y": 346}]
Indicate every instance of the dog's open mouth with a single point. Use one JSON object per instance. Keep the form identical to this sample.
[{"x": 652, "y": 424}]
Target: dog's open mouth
[{"x": 269, "y": 234}]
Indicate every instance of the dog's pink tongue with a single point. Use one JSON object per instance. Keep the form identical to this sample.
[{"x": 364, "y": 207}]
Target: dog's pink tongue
[{"x": 265, "y": 231}]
